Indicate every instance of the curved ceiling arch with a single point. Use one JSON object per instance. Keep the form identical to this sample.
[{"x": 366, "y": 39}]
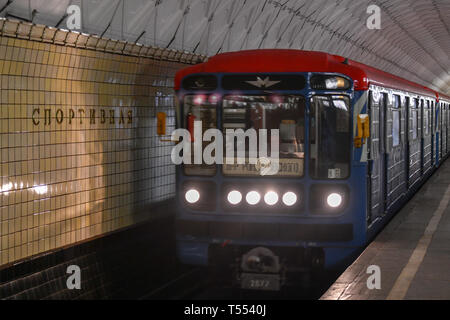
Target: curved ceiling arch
[{"x": 413, "y": 42}]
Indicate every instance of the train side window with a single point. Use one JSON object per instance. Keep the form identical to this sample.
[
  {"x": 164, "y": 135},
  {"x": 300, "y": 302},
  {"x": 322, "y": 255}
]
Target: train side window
[
  {"x": 426, "y": 118},
  {"x": 396, "y": 121},
  {"x": 433, "y": 118},
  {"x": 374, "y": 125},
  {"x": 414, "y": 118},
  {"x": 443, "y": 117},
  {"x": 448, "y": 114},
  {"x": 403, "y": 124},
  {"x": 439, "y": 116}
]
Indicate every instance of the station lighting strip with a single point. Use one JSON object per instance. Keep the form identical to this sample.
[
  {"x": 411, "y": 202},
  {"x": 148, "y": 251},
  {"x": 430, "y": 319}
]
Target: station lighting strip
[{"x": 41, "y": 33}]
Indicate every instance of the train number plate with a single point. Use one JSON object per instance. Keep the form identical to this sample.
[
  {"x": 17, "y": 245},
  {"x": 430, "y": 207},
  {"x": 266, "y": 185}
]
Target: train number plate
[{"x": 259, "y": 281}]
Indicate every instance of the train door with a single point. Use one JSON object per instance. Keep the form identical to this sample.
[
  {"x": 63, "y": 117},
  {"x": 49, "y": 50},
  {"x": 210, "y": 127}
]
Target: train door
[
  {"x": 427, "y": 136},
  {"x": 439, "y": 131},
  {"x": 445, "y": 128},
  {"x": 407, "y": 115},
  {"x": 422, "y": 154},
  {"x": 395, "y": 169},
  {"x": 376, "y": 172},
  {"x": 414, "y": 142},
  {"x": 433, "y": 134},
  {"x": 444, "y": 131}
]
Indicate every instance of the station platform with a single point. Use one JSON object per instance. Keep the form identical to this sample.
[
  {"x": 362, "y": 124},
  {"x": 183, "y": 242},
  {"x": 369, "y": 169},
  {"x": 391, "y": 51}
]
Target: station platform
[{"x": 412, "y": 252}]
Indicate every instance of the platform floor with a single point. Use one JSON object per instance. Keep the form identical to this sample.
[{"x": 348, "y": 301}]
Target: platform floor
[{"x": 412, "y": 252}]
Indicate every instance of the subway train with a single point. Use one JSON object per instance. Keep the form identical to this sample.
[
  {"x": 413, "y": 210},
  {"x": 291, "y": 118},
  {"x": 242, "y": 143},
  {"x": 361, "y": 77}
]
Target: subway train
[{"x": 354, "y": 144}]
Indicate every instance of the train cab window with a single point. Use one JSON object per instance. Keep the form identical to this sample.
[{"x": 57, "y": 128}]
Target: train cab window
[
  {"x": 396, "y": 121},
  {"x": 200, "y": 108},
  {"x": 285, "y": 113},
  {"x": 330, "y": 137}
]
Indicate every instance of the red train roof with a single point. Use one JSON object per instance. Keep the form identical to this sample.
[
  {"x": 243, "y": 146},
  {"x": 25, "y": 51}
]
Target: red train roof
[{"x": 287, "y": 60}]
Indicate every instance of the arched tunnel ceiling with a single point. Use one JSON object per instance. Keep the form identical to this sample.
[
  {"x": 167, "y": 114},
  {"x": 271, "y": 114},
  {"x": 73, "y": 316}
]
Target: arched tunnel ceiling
[{"x": 413, "y": 42}]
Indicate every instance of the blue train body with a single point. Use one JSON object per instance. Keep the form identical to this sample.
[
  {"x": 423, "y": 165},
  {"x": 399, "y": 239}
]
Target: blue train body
[{"x": 408, "y": 139}]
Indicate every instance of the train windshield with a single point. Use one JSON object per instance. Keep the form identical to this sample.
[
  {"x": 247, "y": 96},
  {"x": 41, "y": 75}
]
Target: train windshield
[
  {"x": 330, "y": 139},
  {"x": 200, "y": 108},
  {"x": 283, "y": 112}
]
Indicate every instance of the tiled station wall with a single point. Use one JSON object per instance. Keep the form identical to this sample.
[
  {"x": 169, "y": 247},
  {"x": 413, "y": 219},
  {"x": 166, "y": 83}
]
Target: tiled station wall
[
  {"x": 79, "y": 152},
  {"x": 128, "y": 264}
]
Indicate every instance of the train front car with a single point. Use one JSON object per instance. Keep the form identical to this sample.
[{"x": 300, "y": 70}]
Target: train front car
[{"x": 298, "y": 200}]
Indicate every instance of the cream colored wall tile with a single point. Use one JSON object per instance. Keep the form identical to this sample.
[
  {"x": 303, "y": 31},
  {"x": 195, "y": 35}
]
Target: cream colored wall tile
[{"x": 70, "y": 168}]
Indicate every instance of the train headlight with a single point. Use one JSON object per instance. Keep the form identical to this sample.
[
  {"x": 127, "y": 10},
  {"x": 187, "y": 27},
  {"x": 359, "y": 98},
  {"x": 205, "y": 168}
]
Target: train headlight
[
  {"x": 234, "y": 197},
  {"x": 334, "y": 200},
  {"x": 289, "y": 198},
  {"x": 253, "y": 197},
  {"x": 335, "y": 83},
  {"x": 199, "y": 99},
  {"x": 324, "y": 82},
  {"x": 192, "y": 196},
  {"x": 271, "y": 198}
]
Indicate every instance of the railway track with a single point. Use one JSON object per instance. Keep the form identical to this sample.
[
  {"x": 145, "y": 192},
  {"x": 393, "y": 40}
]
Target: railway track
[
  {"x": 182, "y": 286},
  {"x": 197, "y": 284}
]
